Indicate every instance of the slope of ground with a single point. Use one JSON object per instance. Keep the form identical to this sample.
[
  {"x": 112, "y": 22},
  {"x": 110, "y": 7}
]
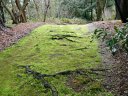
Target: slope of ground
[
  {"x": 64, "y": 50},
  {"x": 12, "y": 35}
]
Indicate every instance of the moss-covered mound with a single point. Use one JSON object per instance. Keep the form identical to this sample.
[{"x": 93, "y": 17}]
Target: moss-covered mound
[{"x": 63, "y": 54}]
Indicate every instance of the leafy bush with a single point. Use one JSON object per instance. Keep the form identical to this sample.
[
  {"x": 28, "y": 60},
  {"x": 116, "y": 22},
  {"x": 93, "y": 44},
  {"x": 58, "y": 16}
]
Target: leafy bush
[{"x": 116, "y": 42}]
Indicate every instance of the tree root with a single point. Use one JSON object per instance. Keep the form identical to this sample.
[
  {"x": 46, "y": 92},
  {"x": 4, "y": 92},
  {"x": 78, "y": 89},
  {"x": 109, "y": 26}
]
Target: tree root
[
  {"x": 41, "y": 78},
  {"x": 82, "y": 48},
  {"x": 47, "y": 85},
  {"x": 61, "y": 37}
]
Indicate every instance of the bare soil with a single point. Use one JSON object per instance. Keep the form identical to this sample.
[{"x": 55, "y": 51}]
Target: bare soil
[
  {"x": 116, "y": 79},
  {"x": 11, "y": 35}
]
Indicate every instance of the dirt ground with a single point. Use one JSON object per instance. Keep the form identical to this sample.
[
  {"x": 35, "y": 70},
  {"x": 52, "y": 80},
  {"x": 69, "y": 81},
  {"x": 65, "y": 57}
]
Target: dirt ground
[
  {"x": 116, "y": 79},
  {"x": 11, "y": 35}
]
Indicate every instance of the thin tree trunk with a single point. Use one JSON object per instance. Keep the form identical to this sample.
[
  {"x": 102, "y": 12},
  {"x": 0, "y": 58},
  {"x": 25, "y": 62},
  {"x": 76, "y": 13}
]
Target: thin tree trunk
[
  {"x": 10, "y": 13},
  {"x": 22, "y": 10},
  {"x": 15, "y": 12},
  {"x": 37, "y": 8},
  {"x": 2, "y": 18},
  {"x": 100, "y": 8},
  {"x": 47, "y": 5},
  {"x": 2, "y": 12}
]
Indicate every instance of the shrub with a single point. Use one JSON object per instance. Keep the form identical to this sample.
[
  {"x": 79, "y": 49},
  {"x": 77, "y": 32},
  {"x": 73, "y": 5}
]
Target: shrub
[{"x": 116, "y": 42}]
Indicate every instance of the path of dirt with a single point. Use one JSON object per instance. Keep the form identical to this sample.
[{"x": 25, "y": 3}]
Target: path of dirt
[
  {"x": 11, "y": 36},
  {"x": 112, "y": 80}
]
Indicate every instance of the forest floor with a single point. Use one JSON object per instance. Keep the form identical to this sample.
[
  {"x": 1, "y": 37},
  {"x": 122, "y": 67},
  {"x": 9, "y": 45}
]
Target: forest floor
[
  {"x": 63, "y": 54},
  {"x": 12, "y": 35}
]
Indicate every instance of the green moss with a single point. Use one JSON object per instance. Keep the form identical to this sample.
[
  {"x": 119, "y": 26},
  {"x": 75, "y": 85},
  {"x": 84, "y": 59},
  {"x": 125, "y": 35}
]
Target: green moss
[{"x": 47, "y": 56}]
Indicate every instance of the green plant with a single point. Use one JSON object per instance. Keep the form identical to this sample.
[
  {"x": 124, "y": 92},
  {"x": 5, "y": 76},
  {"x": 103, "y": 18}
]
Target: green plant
[
  {"x": 116, "y": 42},
  {"x": 100, "y": 33}
]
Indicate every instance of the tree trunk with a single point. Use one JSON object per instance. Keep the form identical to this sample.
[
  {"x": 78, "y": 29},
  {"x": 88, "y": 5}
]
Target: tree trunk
[
  {"x": 100, "y": 8},
  {"x": 2, "y": 12},
  {"x": 22, "y": 10},
  {"x": 1, "y": 24},
  {"x": 47, "y": 5},
  {"x": 37, "y": 8},
  {"x": 2, "y": 18},
  {"x": 122, "y": 8},
  {"x": 15, "y": 12},
  {"x": 10, "y": 12},
  {"x": 117, "y": 11}
]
